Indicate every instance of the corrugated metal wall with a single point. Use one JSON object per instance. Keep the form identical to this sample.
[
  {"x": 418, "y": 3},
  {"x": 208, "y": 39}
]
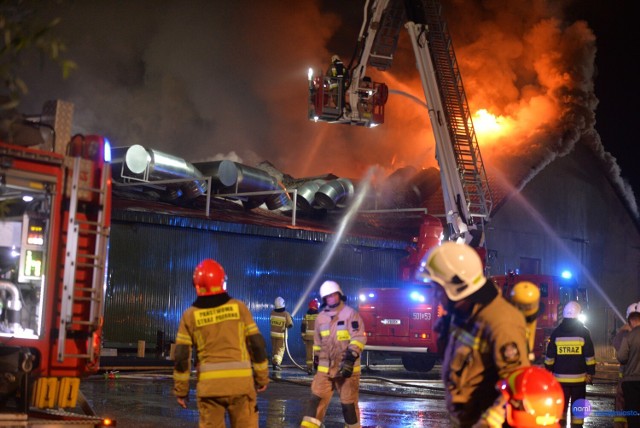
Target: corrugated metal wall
[{"x": 152, "y": 257}]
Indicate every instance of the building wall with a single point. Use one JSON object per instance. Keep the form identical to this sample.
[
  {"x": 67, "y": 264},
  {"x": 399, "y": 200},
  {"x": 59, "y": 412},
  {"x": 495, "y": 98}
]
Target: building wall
[
  {"x": 570, "y": 217},
  {"x": 152, "y": 257}
]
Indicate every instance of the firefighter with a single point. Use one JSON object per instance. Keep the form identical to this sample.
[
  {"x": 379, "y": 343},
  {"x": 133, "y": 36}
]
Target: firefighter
[
  {"x": 339, "y": 339},
  {"x": 629, "y": 358},
  {"x": 232, "y": 363},
  {"x": 338, "y": 75},
  {"x": 571, "y": 358},
  {"x": 307, "y": 330},
  {"x": 486, "y": 335},
  {"x": 532, "y": 397},
  {"x": 525, "y": 296},
  {"x": 619, "y": 420},
  {"x": 280, "y": 321}
]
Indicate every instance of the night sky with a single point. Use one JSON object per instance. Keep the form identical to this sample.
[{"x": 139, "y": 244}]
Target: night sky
[{"x": 208, "y": 80}]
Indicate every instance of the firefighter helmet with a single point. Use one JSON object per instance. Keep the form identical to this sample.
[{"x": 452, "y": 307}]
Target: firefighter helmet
[
  {"x": 525, "y": 296},
  {"x": 209, "y": 278},
  {"x": 279, "y": 303},
  {"x": 330, "y": 287},
  {"x": 313, "y": 304},
  {"x": 335, "y": 58},
  {"x": 456, "y": 267},
  {"x": 634, "y": 307},
  {"x": 534, "y": 398},
  {"x": 571, "y": 310}
]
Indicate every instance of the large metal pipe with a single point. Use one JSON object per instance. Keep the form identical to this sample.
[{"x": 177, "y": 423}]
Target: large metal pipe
[
  {"x": 152, "y": 164},
  {"x": 13, "y": 305},
  {"x": 223, "y": 173},
  {"x": 333, "y": 192}
]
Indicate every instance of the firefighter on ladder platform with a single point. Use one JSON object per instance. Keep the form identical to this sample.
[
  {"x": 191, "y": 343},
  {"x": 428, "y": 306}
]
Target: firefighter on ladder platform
[
  {"x": 280, "y": 321},
  {"x": 307, "y": 330},
  {"x": 338, "y": 342},
  {"x": 232, "y": 356}
]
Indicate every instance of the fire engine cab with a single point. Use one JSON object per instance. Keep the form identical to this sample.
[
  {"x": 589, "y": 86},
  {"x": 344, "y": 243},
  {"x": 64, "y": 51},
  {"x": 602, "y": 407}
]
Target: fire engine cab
[{"x": 55, "y": 205}]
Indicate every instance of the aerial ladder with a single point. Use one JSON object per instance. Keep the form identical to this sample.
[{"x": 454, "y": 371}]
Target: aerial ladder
[{"x": 467, "y": 197}]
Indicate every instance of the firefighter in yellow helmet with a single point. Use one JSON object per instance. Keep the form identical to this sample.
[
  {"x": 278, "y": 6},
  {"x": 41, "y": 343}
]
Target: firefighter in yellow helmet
[
  {"x": 571, "y": 358},
  {"x": 307, "y": 330},
  {"x": 232, "y": 363},
  {"x": 485, "y": 340},
  {"x": 339, "y": 340},
  {"x": 525, "y": 296},
  {"x": 280, "y": 321}
]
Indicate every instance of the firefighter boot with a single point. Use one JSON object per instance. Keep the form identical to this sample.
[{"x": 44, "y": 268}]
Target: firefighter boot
[{"x": 276, "y": 367}]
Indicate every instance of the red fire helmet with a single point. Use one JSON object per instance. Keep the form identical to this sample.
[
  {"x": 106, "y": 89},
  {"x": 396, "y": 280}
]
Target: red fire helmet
[
  {"x": 313, "y": 304},
  {"x": 534, "y": 398},
  {"x": 209, "y": 278}
]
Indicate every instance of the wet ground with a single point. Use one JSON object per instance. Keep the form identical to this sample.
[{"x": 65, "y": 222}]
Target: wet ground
[{"x": 390, "y": 397}]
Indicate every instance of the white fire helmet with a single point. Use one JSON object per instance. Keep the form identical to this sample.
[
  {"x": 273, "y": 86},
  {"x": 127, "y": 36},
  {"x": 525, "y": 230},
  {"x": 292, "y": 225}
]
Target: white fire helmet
[
  {"x": 329, "y": 287},
  {"x": 279, "y": 303},
  {"x": 456, "y": 267},
  {"x": 634, "y": 307},
  {"x": 571, "y": 310}
]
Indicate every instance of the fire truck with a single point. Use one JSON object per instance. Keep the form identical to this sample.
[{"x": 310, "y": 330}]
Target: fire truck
[
  {"x": 400, "y": 320},
  {"x": 55, "y": 205},
  {"x": 555, "y": 292}
]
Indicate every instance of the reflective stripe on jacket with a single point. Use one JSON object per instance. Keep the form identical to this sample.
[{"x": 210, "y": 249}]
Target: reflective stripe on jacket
[
  {"x": 570, "y": 353},
  {"x": 308, "y": 324},
  {"x": 337, "y": 330},
  {"x": 482, "y": 349},
  {"x": 225, "y": 365},
  {"x": 280, "y": 322}
]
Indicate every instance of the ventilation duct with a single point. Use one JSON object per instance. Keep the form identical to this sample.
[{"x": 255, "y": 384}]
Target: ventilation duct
[
  {"x": 334, "y": 192},
  {"x": 223, "y": 173},
  {"x": 307, "y": 194},
  {"x": 149, "y": 164}
]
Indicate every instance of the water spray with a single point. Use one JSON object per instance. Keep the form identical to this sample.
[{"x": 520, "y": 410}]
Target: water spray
[{"x": 335, "y": 240}]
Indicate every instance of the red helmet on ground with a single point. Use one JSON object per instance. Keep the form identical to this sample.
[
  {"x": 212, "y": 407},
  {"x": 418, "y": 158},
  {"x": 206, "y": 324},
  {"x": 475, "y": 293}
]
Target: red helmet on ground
[
  {"x": 313, "y": 304},
  {"x": 534, "y": 398},
  {"x": 209, "y": 278}
]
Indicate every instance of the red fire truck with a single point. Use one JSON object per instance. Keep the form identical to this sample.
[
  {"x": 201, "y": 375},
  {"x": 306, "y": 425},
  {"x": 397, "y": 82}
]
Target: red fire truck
[
  {"x": 555, "y": 292},
  {"x": 55, "y": 205}
]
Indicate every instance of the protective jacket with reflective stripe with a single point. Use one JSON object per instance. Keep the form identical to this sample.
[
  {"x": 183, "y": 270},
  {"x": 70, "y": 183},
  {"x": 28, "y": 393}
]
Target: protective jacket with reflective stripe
[
  {"x": 308, "y": 326},
  {"x": 336, "y": 330},
  {"x": 223, "y": 336},
  {"x": 482, "y": 348},
  {"x": 570, "y": 354},
  {"x": 280, "y": 321}
]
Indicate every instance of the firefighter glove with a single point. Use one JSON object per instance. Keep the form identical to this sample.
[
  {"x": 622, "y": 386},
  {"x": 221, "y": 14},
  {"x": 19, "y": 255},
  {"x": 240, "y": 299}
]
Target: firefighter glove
[
  {"x": 346, "y": 367},
  {"x": 316, "y": 360}
]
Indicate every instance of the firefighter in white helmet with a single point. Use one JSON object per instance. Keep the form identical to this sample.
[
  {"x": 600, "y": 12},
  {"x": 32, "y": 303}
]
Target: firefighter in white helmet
[
  {"x": 633, "y": 317},
  {"x": 222, "y": 329},
  {"x": 486, "y": 336},
  {"x": 571, "y": 358},
  {"x": 280, "y": 321},
  {"x": 339, "y": 340}
]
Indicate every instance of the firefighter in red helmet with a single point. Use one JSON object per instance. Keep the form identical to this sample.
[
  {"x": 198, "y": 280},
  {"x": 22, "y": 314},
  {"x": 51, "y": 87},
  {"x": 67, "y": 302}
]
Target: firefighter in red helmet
[
  {"x": 532, "y": 397},
  {"x": 231, "y": 367},
  {"x": 307, "y": 330}
]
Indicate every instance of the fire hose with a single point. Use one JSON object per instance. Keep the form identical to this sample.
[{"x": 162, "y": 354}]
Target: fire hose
[{"x": 286, "y": 347}]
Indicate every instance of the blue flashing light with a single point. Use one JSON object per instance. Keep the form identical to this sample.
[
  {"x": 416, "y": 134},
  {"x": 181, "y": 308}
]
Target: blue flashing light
[
  {"x": 417, "y": 297},
  {"x": 566, "y": 274},
  {"x": 107, "y": 150}
]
